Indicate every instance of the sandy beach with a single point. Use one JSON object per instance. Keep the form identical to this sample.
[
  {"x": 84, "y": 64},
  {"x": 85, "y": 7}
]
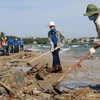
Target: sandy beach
[{"x": 87, "y": 75}]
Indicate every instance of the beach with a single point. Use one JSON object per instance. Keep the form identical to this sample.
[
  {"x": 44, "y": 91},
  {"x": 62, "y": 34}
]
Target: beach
[{"x": 86, "y": 75}]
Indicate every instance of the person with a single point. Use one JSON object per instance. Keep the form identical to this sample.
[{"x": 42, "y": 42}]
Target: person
[
  {"x": 4, "y": 44},
  {"x": 56, "y": 39},
  {"x": 10, "y": 45},
  {"x": 21, "y": 43},
  {"x": 16, "y": 45},
  {"x": 0, "y": 43},
  {"x": 93, "y": 14}
]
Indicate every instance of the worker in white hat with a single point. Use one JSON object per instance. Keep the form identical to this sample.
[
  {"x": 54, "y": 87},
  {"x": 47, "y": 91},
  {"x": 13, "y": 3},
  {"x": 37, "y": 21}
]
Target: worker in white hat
[{"x": 56, "y": 39}]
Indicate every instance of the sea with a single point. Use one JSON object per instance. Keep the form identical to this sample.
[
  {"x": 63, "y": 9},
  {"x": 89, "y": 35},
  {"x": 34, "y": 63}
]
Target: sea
[
  {"x": 68, "y": 51},
  {"x": 89, "y": 74}
]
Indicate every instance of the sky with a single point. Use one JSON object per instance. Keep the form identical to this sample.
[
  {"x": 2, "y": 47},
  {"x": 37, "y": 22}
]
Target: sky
[{"x": 25, "y": 18}]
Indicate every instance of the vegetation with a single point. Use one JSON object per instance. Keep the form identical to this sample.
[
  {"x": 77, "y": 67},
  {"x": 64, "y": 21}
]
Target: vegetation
[
  {"x": 27, "y": 40},
  {"x": 74, "y": 40},
  {"x": 42, "y": 40},
  {"x": 2, "y": 34}
]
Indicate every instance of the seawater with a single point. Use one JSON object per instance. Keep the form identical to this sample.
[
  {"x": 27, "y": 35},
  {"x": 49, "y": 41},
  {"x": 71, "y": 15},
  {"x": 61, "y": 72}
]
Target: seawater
[{"x": 69, "y": 51}]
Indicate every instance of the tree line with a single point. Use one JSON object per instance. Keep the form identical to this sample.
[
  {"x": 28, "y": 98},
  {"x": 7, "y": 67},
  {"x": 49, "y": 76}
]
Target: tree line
[{"x": 27, "y": 40}]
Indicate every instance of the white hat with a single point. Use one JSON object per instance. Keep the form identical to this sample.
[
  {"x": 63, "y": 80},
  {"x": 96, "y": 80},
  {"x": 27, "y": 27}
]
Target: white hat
[
  {"x": 16, "y": 39},
  {"x": 51, "y": 24}
]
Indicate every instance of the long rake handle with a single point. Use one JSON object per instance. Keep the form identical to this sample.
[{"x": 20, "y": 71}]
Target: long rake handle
[
  {"x": 43, "y": 54},
  {"x": 70, "y": 69},
  {"x": 74, "y": 66}
]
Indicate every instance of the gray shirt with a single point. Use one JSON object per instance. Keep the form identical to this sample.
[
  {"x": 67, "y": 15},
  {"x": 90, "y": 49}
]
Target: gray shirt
[
  {"x": 60, "y": 38},
  {"x": 97, "y": 24}
]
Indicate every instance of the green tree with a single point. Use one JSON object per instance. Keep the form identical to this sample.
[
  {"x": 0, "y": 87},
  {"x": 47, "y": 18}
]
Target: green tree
[
  {"x": 74, "y": 40},
  {"x": 2, "y": 34},
  {"x": 42, "y": 40},
  {"x": 85, "y": 41},
  {"x": 79, "y": 39},
  {"x": 91, "y": 41}
]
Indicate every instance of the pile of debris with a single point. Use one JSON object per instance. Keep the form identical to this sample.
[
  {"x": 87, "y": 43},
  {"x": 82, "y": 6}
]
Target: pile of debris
[
  {"x": 18, "y": 85},
  {"x": 37, "y": 84}
]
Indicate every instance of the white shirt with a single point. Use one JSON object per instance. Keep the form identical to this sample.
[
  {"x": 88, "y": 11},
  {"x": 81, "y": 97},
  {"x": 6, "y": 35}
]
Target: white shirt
[
  {"x": 4, "y": 43},
  {"x": 97, "y": 24}
]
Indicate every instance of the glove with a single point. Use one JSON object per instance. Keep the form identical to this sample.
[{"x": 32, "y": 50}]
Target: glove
[
  {"x": 92, "y": 50},
  {"x": 52, "y": 49}
]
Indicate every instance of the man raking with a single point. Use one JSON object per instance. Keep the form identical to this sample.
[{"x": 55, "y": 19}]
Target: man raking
[{"x": 93, "y": 14}]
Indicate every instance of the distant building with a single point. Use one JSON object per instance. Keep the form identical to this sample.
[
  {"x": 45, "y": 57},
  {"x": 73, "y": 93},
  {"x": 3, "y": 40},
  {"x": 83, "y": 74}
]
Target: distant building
[{"x": 69, "y": 40}]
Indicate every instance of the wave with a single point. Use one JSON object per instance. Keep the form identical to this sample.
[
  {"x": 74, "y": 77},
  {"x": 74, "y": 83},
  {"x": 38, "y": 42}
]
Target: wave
[
  {"x": 75, "y": 46},
  {"x": 31, "y": 49},
  {"x": 87, "y": 45},
  {"x": 38, "y": 45},
  {"x": 46, "y": 46},
  {"x": 29, "y": 46},
  {"x": 65, "y": 49}
]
